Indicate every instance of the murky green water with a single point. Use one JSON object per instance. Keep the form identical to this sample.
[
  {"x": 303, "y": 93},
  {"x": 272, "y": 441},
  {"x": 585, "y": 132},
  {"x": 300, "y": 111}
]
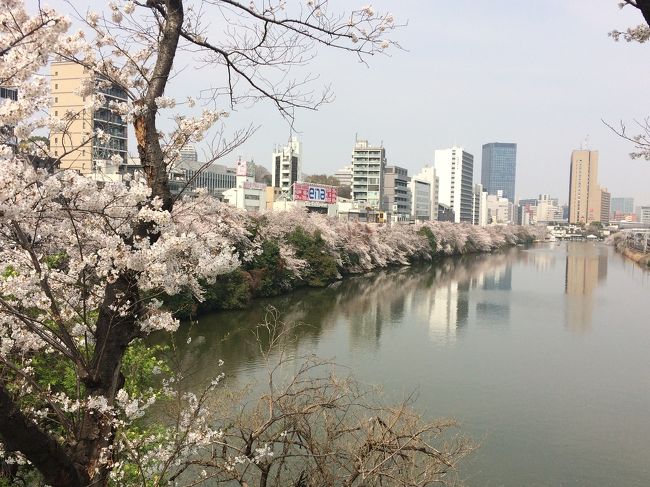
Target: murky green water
[{"x": 542, "y": 354}]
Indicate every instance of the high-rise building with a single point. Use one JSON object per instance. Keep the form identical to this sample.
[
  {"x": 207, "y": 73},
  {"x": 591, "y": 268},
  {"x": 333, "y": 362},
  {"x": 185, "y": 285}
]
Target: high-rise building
[
  {"x": 428, "y": 174},
  {"x": 103, "y": 155},
  {"x": 605, "y": 203},
  {"x": 479, "y": 206},
  {"x": 397, "y": 192},
  {"x": 368, "y": 166},
  {"x": 624, "y": 206},
  {"x": 455, "y": 168},
  {"x": 499, "y": 168},
  {"x": 286, "y": 168},
  {"x": 584, "y": 190}
]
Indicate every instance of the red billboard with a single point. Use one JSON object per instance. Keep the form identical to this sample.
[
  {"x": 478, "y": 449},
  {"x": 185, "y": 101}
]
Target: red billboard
[{"x": 314, "y": 192}]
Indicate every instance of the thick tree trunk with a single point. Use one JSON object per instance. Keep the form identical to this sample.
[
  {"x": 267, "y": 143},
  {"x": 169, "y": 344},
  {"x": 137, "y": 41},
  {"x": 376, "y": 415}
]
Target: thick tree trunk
[
  {"x": 79, "y": 464},
  {"x": 114, "y": 332},
  {"x": 146, "y": 132},
  {"x": 21, "y": 434},
  {"x": 113, "y": 335}
]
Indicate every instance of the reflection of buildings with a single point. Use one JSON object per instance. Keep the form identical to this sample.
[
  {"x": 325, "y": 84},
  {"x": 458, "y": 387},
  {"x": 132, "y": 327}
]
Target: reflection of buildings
[
  {"x": 492, "y": 306},
  {"x": 500, "y": 279},
  {"x": 446, "y": 311},
  {"x": 586, "y": 266}
]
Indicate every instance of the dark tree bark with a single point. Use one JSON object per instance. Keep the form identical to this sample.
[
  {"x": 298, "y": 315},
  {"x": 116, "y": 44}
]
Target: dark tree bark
[{"x": 21, "y": 434}]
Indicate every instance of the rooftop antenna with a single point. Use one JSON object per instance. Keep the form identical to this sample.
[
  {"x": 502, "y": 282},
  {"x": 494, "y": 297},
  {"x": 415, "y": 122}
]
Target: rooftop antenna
[{"x": 585, "y": 143}]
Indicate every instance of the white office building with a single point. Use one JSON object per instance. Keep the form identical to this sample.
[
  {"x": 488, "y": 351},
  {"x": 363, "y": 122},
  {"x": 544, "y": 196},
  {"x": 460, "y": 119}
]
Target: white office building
[
  {"x": 455, "y": 170},
  {"x": 344, "y": 175},
  {"x": 247, "y": 194},
  {"x": 428, "y": 174},
  {"x": 368, "y": 166},
  {"x": 286, "y": 167},
  {"x": 479, "y": 206}
]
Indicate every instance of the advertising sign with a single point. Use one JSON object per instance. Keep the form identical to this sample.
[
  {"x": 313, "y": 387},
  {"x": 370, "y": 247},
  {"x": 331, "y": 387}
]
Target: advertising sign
[
  {"x": 314, "y": 193},
  {"x": 251, "y": 185}
]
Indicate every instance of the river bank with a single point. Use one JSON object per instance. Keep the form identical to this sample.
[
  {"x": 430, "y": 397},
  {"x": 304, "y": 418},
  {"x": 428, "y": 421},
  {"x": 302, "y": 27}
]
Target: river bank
[
  {"x": 620, "y": 243},
  {"x": 640, "y": 258},
  {"x": 285, "y": 251}
]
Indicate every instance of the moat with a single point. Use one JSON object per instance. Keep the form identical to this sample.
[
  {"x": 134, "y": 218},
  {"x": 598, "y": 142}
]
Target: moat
[{"x": 541, "y": 353}]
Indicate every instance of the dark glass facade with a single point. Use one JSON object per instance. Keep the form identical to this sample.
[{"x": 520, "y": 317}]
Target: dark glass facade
[{"x": 499, "y": 169}]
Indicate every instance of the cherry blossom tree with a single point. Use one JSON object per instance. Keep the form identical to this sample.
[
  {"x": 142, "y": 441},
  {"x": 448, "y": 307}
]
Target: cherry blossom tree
[
  {"x": 641, "y": 34},
  {"x": 83, "y": 268}
]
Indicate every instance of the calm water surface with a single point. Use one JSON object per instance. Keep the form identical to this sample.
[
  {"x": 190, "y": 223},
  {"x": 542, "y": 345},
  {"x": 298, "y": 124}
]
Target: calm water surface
[{"x": 542, "y": 354}]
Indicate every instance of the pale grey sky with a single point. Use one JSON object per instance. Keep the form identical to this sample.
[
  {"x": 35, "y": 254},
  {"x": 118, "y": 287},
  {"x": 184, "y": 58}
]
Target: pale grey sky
[{"x": 540, "y": 73}]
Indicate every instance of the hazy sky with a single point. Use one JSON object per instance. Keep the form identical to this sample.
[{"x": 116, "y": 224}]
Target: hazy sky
[{"x": 541, "y": 73}]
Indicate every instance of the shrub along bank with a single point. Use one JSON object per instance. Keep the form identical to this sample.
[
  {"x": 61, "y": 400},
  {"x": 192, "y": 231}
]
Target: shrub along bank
[{"x": 289, "y": 250}]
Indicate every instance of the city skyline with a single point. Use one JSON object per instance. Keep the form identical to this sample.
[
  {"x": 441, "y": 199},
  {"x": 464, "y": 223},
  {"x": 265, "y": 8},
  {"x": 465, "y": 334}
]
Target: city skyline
[{"x": 543, "y": 105}]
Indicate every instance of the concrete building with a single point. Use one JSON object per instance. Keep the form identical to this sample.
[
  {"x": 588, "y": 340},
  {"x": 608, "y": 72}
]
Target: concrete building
[
  {"x": 499, "y": 168},
  {"x": 605, "y": 204},
  {"x": 344, "y": 175},
  {"x": 286, "y": 167},
  {"x": 455, "y": 168},
  {"x": 499, "y": 209},
  {"x": 624, "y": 206},
  {"x": 215, "y": 178},
  {"x": 428, "y": 174},
  {"x": 101, "y": 158},
  {"x": 584, "y": 190},
  {"x": 397, "y": 193},
  {"x": 445, "y": 213},
  {"x": 421, "y": 206},
  {"x": 479, "y": 206},
  {"x": 247, "y": 194},
  {"x": 368, "y": 167},
  {"x": 644, "y": 214},
  {"x": 188, "y": 154},
  {"x": 547, "y": 210}
]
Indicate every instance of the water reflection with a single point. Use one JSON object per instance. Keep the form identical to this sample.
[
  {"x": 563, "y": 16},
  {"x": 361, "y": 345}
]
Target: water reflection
[
  {"x": 586, "y": 267},
  {"x": 453, "y": 330},
  {"x": 441, "y": 298}
]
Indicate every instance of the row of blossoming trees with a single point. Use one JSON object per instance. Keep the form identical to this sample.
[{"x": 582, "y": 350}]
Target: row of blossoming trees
[{"x": 85, "y": 272}]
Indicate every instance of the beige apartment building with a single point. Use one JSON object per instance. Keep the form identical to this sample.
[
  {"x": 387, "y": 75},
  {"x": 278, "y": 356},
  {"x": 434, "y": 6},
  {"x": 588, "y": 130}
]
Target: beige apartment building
[
  {"x": 584, "y": 190},
  {"x": 74, "y": 145}
]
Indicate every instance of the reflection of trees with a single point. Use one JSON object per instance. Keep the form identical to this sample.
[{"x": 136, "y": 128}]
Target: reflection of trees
[
  {"x": 586, "y": 267},
  {"x": 435, "y": 294}
]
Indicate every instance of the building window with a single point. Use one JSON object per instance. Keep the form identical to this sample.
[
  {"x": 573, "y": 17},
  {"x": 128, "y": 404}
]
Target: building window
[
  {"x": 56, "y": 113},
  {"x": 56, "y": 99}
]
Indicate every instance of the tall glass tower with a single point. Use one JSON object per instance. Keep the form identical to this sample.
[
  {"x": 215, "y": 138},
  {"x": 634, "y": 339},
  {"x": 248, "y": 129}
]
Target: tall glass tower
[{"x": 499, "y": 168}]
